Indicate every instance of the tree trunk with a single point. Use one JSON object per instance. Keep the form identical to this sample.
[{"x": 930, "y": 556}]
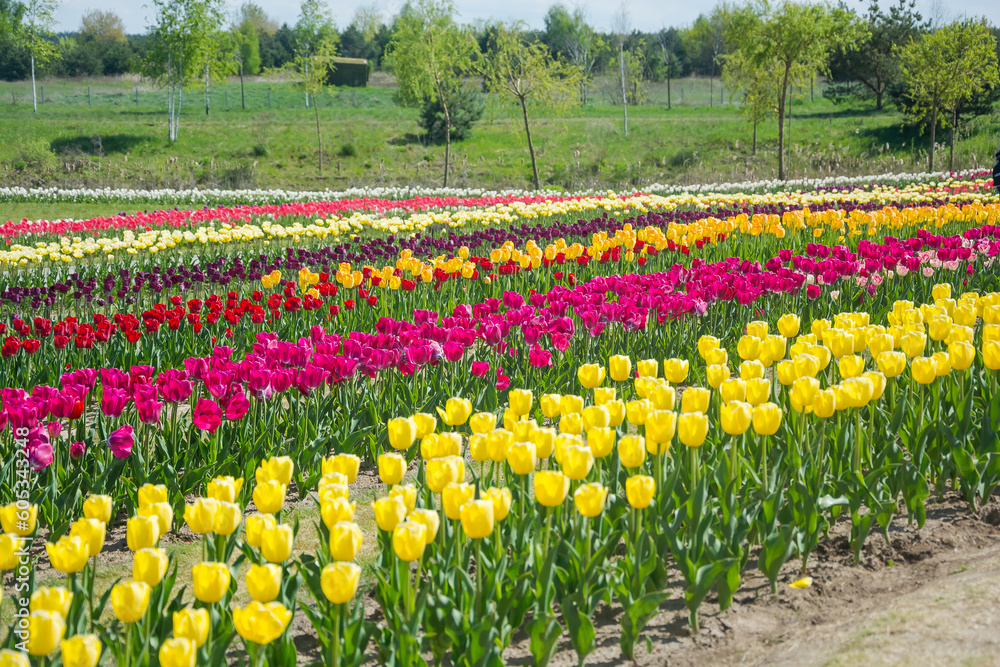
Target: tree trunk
[
  {"x": 878, "y": 100},
  {"x": 951, "y": 139},
  {"x": 753, "y": 151},
  {"x": 206, "y": 90},
  {"x": 447, "y": 141},
  {"x": 307, "y": 90},
  {"x": 781, "y": 123},
  {"x": 621, "y": 62},
  {"x": 319, "y": 138},
  {"x": 668, "y": 88},
  {"x": 243, "y": 99},
  {"x": 788, "y": 132},
  {"x": 170, "y": 98},
  {"x": 930, "y": 158},
  {"x": 531, "y": 148},
  {"x": 34, "y": 96}
]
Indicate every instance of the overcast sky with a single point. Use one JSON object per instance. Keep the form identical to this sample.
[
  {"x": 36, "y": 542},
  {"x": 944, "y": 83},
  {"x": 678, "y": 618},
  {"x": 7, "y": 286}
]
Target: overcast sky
[{"x": 647, "y": 15}]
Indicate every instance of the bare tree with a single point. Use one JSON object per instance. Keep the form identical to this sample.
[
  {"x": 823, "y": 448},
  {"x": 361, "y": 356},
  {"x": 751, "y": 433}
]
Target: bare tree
[{"x": 620, "y": 28}]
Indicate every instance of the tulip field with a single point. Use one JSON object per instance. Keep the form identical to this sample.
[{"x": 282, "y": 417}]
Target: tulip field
[{"x": 569, "y": 408}]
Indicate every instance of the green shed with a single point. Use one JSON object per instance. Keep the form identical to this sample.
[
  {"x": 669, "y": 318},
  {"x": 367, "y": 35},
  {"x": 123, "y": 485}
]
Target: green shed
[{"x": 351, "y": 72}]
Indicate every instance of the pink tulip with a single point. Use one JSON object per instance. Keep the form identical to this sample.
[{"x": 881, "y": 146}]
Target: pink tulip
[
  {"x": 207, "y": 415},
  {"x": 121, "y": 442}
]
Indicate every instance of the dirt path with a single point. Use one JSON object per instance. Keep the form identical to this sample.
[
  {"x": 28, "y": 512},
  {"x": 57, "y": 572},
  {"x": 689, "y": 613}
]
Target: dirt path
[{"x": 931, "y": 597}]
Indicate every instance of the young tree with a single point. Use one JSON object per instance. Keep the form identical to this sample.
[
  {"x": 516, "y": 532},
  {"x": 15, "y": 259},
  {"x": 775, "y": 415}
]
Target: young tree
[
  {"x": 872, "y": 61},
  {"x": 315, "y": 38},
  {"x": 36, "y": 25},
  {"x": 571, "y": 38},
  {"x": 758, "y": 84},
  {"x": 793, "y": 41},
  {"x": 707, "y": 39},
  {"x": 251, "y": 12},
  {"x": 102, "y": 26},
  {"x": 182, "y": 44},
  {"x": 246, "y": 53},
  {"x": 430, "y": 54},
  {"x": 620, "y": 30},
  {"x": 529, "y": 76},
  {"x": 669, "y": 40},
  {"x": 945, "y": 68}
]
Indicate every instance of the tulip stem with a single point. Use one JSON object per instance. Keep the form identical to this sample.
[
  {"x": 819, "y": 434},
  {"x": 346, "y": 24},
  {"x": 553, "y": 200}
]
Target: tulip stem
[
  {"x": 479, "y": 575},
  {"x": 338, "y": 610}
]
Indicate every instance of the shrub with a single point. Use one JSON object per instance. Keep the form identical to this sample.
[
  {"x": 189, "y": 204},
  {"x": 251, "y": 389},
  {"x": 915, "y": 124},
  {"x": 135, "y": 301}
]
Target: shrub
[
  {"x": 466, "y": 108},
  {"x": 35, "y": 154}
]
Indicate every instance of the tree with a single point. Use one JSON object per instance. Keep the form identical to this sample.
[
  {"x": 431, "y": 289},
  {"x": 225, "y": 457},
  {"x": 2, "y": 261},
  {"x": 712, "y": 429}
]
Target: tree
[
  {"x": 707, "y": 40},
  {"x": 37, "y": 21},
  {"x": 669, "y": 40},
  {"x": 757, "y": 82},
  {"x": 791, "y": 40},
  {"x": 182, "y": 44},
  {"x": 430, "y": 54},
  {"x": 251, "y": 12},
  {"x": 246, "y": 53},
  {"x": 571, "y": 38},
  {"x": 529, "y": 76},
  {"x": 315, "y": 38},
  {"x": 102, "y": 26},
  {"x": 945, "y": 68},
  {"x": 620, "y": 31},
  {"x": 872, "y": 61}
]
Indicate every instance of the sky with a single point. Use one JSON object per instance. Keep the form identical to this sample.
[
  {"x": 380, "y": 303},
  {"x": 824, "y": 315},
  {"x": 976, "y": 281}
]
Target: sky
[{"x": 646, "y": 15}]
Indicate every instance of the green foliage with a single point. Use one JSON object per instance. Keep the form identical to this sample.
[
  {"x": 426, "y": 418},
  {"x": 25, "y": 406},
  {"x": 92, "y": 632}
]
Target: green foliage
[
  {"x": 466, "y": 109},
  {"x": 34, "y": 154},
  {"x": 249, "y": 48}
]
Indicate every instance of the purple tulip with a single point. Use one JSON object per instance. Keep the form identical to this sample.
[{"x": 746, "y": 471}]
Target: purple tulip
[
  {"x": 77, "y": 450},
  {"x": 121, "y": 441}
]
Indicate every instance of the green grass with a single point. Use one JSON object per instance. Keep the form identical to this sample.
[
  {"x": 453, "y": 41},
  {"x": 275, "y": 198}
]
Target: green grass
[{"x": 369, "y": 140}]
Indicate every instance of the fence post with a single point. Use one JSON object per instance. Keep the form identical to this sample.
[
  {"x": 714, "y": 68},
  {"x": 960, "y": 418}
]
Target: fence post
[
  {"x": 42, "y": 98},
  {"x": 227, "y": 99},
  {"x": 722, "y": 99},
  {"x": 268, "y": 98},
  {"x": 90, "y": 101},
  {"x": 682, "y": 95},
  {"x": 137, "y": 94}
]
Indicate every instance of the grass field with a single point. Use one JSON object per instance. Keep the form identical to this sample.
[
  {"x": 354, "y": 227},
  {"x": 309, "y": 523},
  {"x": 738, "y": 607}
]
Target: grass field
[{"x": 369, "y": 140}]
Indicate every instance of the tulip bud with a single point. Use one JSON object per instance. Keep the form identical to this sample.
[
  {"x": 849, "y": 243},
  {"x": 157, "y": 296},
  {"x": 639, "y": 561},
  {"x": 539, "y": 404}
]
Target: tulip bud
[
  {"x": 345, "y": 540},
  {"x": 766, "y": 419},
  {"x": 692, "y": 428},
  {"x": 639, "y": 491}
]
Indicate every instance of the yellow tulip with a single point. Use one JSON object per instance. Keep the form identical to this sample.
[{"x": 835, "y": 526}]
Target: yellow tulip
[
  {"x": 453, "y": 496},
  {"x": 717, "y": 374},
  {"x": 456, "y": 411},
  {"x": 941, "y": 291},
  {"x": 939, "y": 327},
  {"x": 150, "y": 494},
  {"x": 632, "y": 450},
  {"x": 429, "y": 518},
  {"x": 391, "y": 467},
  {"x": 11, "y": 548},
  {"x": 339, "y": 582},
  {"x": 590, "y": 375},
  {"x": 603, "y": 395},
  {"x": 477, "y": 518},
  {"x": 707, "y": 343},
  {"x": 766, "y": 419},
  {"x": 544, "y": 440},
  {"x": 409, "y": 539},
  {"x": 692, "y": 428},
  {"x": 55, "y": 599},
  {"x": 269, "y": 497},
  {"x": 550, "y": 404},
  {"x": 228, "y": 517},
  {"x": 757, "y": 329},
  {"x": 521, "y": 458},
  {"x": 444, "y": 471},
  {"x": 150, "y": 566},
  {"x": 389, "y": 511},
  {"x": 426, "y": 424},
  {"x": 80, "y": 651},
  {"x": 256, "y": 524},
  {"x": 261, "y": 623},
  {"x": 758, "y": 391},
  {"x": 695, "y": 399},
  {"x": 69, "y": 554},
  {"x": 913, "y": 344},
  {"x": 501, "y": 499},
  {"x": 178, "y": 652},
  {"x": 193, "y": 624},
  {"x": 878, "y": 384},
  {"x": 225, "y": 489},
  {"x": 601, "y": 441},
  {"x": 129, "y": 600},
  {"x": 570, "y": 404},
  {"x": 577, "y": 462},
  {"x": 616, "y": 413},
  {"x": 639, "y": 490},
  {"x": 497, "y": 443},
  {"x": 943, "y": 363},
  {"x": 751, "y": 369},
  {"x": 662, "y": 396},
  {"x": 735, "y": 417},
  {"x": 788, "y": 325},
  {"x": 402, "y": 432},
  {"x": 647, "y": 368},
  {"x": 892, "y": 364},
  {"x": 264, "y": 582},
  {"x": 880, "y": 343},
  {"x": 991, "y": 353},
  {"x": 92, "y": 531},
  {"x": 923, "y": 369},
  {"x": 276, "y": 543},
  {"x": 824, "y": 404},
  {"x": 551, "y": 487},
  {"x": 803, "y": 392},
  {"x": 20, "y": 521},
  {"x": 717, "y": 357},
  {"x": 45, "y": 631},
  {"x": 571, "y": 423},
  {"x": 97, "y": 507},
  {"x": 661, "y": 426},
  {"x": 676, "y": 370},
  {"x": 277, "y": 467},
  {"x": 589, "y": 499},
  {"x": 200, "y": 516},
  {"x": 482, "y": 422},
  {"x": 962, "y": 355},
  {"x": 748, "y": 347},
  {"x": 345, "y": 540},
  {"x": 619, "y": 368},
  {"x": 408, "y": 493},
  {"x": 210, "y": 581}
]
